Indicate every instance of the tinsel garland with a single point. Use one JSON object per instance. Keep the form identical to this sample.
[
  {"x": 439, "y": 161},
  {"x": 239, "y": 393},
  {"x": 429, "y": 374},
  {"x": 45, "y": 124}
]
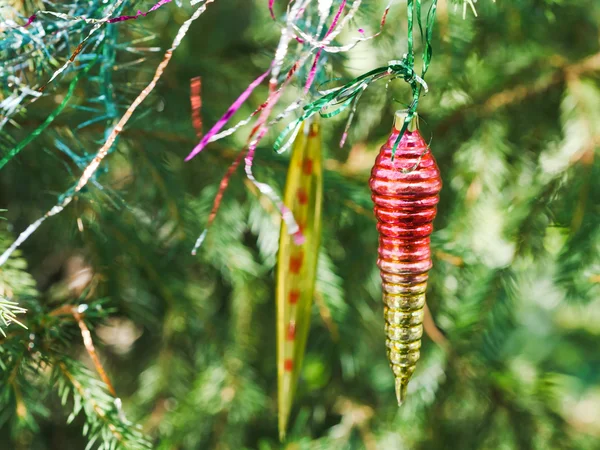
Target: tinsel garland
[{"x": 329, "y": 104}]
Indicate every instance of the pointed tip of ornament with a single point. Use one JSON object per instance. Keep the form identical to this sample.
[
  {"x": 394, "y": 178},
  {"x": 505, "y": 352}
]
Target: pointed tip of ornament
[
  {"x": 282, "y": 428},
  {"x": 401, "y": 385}
]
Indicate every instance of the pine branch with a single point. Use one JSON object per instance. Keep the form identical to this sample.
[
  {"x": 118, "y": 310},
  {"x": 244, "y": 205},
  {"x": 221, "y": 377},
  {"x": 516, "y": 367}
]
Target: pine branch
[
  {"x": 105, "y": 424},
  {"x": 8, "y": 314},
  {"x": 520, "y": 92}
]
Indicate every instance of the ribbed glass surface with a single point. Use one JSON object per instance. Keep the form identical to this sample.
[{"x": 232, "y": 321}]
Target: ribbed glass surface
[{"x": 405, "y": 192}]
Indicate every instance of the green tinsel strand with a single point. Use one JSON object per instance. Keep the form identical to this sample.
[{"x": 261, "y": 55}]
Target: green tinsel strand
[
  {"x": 343, "y": 96},
  {"x": 21, "y": 145}
]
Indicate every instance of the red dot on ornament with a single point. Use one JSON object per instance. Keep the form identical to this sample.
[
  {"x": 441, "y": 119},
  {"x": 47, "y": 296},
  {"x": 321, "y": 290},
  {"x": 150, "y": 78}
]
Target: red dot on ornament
[
  {"x": 296, "y": 262},
  {"x": 307, "y": 166},
  {"x": 288, "y": 365},
  {"x": 291, "y": 332},
  {"x": 302, "y": 196},
  {"x": 294, "y": 296}
]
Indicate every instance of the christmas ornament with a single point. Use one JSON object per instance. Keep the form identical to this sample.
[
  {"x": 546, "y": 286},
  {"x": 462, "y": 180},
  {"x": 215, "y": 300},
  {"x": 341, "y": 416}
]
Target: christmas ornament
[
  {"x": 298, "y": 263},
  {"x": 405, "y": 191}
]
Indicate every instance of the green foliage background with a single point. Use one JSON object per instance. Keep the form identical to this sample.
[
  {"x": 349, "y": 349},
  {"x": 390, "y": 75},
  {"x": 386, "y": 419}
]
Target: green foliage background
[{"x": 514, "y": 115}]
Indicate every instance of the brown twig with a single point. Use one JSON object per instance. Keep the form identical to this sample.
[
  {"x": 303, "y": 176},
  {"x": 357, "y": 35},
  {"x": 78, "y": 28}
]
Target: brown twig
[
  {"x": 64, "y": 310},
  {"x": 586, "y": 154},
  {"x": 89, "y": 346},
  {"x": 522, "y": 91},
  {"x": 452, "y": 259},
  {"x": 433, "y": 331}
]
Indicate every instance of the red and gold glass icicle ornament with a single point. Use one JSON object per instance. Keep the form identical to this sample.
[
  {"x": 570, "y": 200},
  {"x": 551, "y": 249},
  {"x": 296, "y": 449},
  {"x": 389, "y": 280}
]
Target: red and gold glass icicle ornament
[
  {"x": 297, "y": 263},
  {"x": 405, "y": 193}
]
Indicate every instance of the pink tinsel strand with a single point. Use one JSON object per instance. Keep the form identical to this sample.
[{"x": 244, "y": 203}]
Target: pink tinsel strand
[
  {"x": 30, "y": 21},
  {"x": 343, "y": 139},
  {"x": 312, "y": 73},
  {"x": 140, "y": 13},
  {"x": 158, "y": 4},
  {"x": 230, "y": 112},
  {"x": 271, "y": 3},
  {"x": 313, "y": 69},
  {"x": 336, "y": 18}
]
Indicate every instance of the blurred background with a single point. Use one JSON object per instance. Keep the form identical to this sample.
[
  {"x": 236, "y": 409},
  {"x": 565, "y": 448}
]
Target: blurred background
[{"x": 512, "y": 362}]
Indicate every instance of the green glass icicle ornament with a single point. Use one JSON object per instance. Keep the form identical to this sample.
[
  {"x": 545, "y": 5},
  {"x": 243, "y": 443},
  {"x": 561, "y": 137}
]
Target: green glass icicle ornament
[{"x": 297, "y": 263}]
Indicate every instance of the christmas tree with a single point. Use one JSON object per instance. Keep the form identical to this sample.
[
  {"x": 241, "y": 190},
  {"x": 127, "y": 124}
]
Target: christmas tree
[{"x": 113, "y": 335}]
